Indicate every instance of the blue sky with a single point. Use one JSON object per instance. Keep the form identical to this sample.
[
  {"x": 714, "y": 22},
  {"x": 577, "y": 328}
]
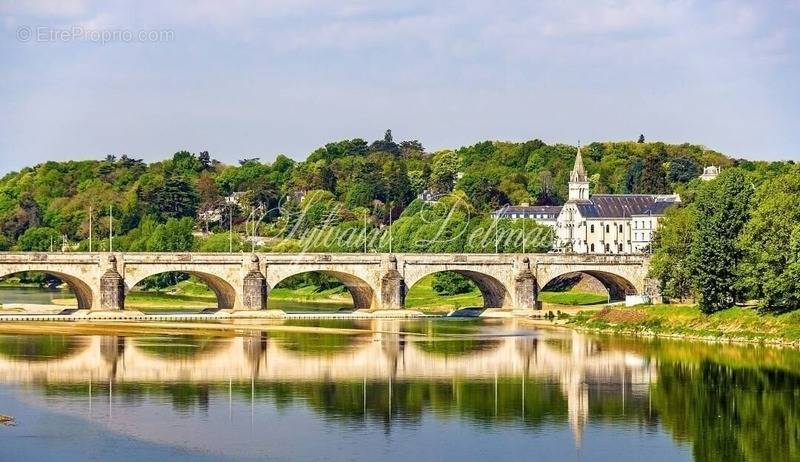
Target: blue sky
[{"x": 246, "y": 78}]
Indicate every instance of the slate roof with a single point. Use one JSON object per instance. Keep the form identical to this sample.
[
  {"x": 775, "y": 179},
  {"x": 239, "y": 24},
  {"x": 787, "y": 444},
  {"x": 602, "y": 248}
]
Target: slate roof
[{"x": 624, "y": 205}]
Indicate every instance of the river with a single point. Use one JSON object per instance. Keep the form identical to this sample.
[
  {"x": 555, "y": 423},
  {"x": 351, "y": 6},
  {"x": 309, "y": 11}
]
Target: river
[{"x": 391, "y": 390}]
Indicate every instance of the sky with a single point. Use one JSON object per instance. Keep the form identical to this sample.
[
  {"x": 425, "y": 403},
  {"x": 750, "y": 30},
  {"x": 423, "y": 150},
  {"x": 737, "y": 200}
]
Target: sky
[{"x": 242, "y": 78}]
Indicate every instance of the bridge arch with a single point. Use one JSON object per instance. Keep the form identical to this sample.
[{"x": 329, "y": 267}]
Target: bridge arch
[
  {"x": 82, "y": 290},
  {"x": 363, "y": 294},
  {"x": 618, "y": 286},
  {"x": 495, "y": 294},
  {"x": 224, "y": 291}
]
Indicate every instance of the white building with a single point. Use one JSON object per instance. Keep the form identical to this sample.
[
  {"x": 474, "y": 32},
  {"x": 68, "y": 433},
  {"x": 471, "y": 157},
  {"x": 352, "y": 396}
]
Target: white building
[
  {"x": 429, "y": 196},
  {"x": 542, "y": 214},
  {"x": 607, "y": 223},
  {"x": 710, "y": 172}
]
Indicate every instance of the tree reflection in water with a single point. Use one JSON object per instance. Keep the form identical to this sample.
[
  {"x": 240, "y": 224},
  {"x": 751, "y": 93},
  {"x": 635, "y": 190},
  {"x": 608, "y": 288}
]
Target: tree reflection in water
[
  {"x": 39, "y": 347},
  {"x": 728, "y": 402}
]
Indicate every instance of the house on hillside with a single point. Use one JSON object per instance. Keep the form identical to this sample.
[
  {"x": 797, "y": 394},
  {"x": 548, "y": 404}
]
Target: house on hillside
[
  {"x": 542, "y": 214},
  {"x": 710, "y": 172}
]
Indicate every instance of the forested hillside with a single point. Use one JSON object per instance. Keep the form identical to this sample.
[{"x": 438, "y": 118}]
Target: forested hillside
[{"x": 343, "y": 184}]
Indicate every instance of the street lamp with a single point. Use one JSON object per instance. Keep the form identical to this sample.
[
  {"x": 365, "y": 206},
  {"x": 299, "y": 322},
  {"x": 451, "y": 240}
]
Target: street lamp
[
  {"x": 90, "y": 229},
  {"x": 390, "y": 228},
  {"x": 230, "y": 227},
  {"x": 259, "y": 208},
  {"x": 365, "y": 230},
  {"x": 111, "y": 228}
]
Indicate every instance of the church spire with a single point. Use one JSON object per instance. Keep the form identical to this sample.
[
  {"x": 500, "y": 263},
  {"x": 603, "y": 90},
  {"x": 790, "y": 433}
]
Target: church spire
[
  {"x": 578, "y": 182},
  {"x": 578, "y": 173}
]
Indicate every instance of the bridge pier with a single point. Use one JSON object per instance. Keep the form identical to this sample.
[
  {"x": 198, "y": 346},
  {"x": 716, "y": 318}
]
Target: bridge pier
[
  {"x": 112, "y": 288},
  {"x": 525, "y": 289},
  {"x": 393, "y": 290},
  {"x": 254, "y": 288}
]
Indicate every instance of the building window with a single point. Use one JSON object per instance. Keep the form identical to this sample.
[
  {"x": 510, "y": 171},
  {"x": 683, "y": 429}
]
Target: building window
[
  {"x": 620, "y": 248},
  {"x": 592, "y": 247},
  {"x": 591, "y": 229},
  {"x": 607, "y": 229},
  {"x": 608, "y": 248},
  {"x": 620, "y": 228}
]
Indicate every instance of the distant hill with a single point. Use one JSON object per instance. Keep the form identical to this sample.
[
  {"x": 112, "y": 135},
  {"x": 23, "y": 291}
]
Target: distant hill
[{"x": 58, "y": 196}]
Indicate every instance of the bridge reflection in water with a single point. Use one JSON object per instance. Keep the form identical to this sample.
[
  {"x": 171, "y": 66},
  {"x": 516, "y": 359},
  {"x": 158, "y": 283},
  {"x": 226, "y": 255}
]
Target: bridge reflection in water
[
  {"x": 376, "y": 385},
  {"x": 380, "y": 353}
]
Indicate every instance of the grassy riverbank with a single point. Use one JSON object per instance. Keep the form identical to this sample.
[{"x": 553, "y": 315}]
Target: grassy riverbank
[
  {"x": 422, "y": 297},
  {"x": 685, "y": 321},
  {"x": 572, "y": 298}
]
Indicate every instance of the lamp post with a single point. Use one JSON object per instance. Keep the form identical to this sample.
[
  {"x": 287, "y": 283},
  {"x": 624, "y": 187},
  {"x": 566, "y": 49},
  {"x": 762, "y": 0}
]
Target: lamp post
[
  {"x": 90, "y": 229},
  {"x": 111, "y": 228},
  {"x": 496, "y": 242},
  {"x": 259, "y": 208}
]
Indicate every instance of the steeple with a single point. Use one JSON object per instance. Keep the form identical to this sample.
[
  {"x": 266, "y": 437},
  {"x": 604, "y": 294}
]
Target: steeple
[
  {"x": 578, "y": 182},
  {"x": 578, "y": 172}
]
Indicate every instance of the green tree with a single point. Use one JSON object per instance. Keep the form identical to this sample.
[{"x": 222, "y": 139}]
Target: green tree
[
  {"x": 416, "y": 180},
  {"x": 683, "y": 169},
  {"x": 221, "y": 242},
  {"x": 398, "y": 187},
  {"x": 483, "y": 191},
  {"x": 445, "y": 168},
  {"x": 654, "y": 177},
  {"x": 633, "y": 177},
  {"x": 39, "y": 240},
  {"x": 722, "y": 209},
  {"x": 672, "y": 245},
  {"x": 386, "y": 145},
  {"x": 204, "y": 158},
  {"x": 173, "y": 236},
  {"x": 176, "y": 199},
  {"x": 451, "y": 283},
  {"x": 770, "y": 241},
  {"x": 185, "y": 163}
]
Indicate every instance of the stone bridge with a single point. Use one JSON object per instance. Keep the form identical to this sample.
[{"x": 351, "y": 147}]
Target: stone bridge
[{"x": 376, "y": 281}]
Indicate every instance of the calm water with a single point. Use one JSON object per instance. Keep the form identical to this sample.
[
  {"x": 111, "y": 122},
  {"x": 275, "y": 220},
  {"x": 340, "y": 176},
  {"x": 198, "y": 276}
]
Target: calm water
[
  {"x": 33, "y": 295},
  {"x": 393, "y": 390}
]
